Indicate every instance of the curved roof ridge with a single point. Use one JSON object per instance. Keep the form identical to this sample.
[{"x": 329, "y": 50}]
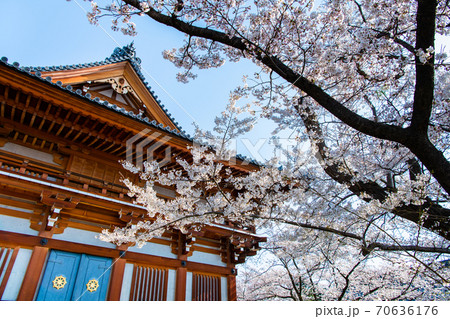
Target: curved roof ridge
[
  {"x": 120, "y": 54},
  {"x": 127, "y": 52}
]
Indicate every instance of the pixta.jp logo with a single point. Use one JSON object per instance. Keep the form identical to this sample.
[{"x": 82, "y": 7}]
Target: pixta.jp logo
[{"x": 148, "y": 146}]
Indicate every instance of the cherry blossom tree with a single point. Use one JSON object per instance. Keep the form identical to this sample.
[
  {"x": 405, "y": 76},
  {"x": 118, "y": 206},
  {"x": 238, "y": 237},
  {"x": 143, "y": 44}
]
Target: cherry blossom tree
[
  {"x": 363, "y": 77},
  {"x": 365, "y": 84},
  {"x": 323, "y": 267}
]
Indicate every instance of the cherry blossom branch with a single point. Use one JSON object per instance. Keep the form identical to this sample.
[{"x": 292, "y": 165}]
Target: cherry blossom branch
[
  {"x": 311, "y": 226},
  {"x": 386, "y": 247},
  {"x": 347, "y": 278},
  {"x": 298, "y": 290},
  {"x": 416, "y": 141},
  {"x": 397, "y": 40},
  {"x": 365, "y": 249},
  {"x": 349, "y": 117},
  {"x": 438, "y": 219}
]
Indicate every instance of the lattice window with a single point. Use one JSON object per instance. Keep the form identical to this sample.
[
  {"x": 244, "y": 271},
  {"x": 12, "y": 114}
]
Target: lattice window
[
  {"x": 206, "y": 287},
  {"x": 149, "y": 284},
  {"x": 7, "y": 259}
]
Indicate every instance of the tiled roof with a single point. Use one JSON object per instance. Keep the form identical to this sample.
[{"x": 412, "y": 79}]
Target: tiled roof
[
  {"x": 127, "y": 53},
  {"x": 36, "y": 73}
]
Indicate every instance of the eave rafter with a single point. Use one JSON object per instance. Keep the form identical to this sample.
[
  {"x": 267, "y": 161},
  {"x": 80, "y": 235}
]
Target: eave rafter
[{"x": 58, "y": 121}]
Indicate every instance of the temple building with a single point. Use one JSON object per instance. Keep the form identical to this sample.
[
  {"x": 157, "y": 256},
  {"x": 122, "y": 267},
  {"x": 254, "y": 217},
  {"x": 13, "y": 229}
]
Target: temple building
[{"x": 63, "y": 132}]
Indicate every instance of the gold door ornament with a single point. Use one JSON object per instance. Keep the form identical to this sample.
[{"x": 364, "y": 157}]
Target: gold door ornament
[
  {"x": 59, "y": 282},
  {"x": 92, "y": 285}
]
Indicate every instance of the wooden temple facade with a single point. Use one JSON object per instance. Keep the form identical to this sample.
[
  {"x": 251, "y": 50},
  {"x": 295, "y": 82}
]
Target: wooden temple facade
[{"x": 63, "y": 131}]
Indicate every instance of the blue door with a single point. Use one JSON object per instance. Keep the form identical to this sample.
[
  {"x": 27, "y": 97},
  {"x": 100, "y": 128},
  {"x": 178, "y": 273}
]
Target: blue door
[
  {"x": 71, "y": 276},
  {"x": 92, "y": 279},
  {"x": 58, "y": 281}
]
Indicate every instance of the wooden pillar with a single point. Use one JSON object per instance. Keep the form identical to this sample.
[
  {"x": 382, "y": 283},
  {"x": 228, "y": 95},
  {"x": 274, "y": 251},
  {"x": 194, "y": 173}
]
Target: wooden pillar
[
  {"x": 231, "y": 278},
  {"x": 115, "y": 286},
  {"x": 33, "y": 274},
  {"x": 180, "y": 288},
  {"x": 231, "y": 282}
]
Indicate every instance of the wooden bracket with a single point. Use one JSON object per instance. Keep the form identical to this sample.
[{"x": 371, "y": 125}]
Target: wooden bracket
[
  {"x": 237, "y": 248},
  {"x": 55, "y": 202},
  {"x": 182, "y": 245},
  {"x": 133, "y": 217},
  {"x": 5, "y": 129},
  {"x": 58, "y": 200}
]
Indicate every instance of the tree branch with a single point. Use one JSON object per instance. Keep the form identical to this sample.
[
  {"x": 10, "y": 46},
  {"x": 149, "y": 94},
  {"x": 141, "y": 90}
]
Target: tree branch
[
  {"x": 424, "y": 89},
  {"x": 347, "y": 279},
  {"x": 365, "y": 249},
  {"x": 354, "y": 120},
  {"x": 311, "y": 226},
  {"x": 437, "y": 219},
  {"x": 386, "y": 247}
]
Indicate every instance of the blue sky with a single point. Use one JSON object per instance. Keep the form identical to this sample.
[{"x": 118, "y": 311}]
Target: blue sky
[{"x": 57, "y": 32}]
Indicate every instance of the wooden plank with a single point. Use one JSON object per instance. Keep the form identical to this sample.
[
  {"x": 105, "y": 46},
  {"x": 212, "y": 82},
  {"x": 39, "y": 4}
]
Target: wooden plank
[
  {"x": 219, "y": 289},
  {"x": 215, "y": 289},
  {"x": 166, "y": 278},
  {"x": 194, "y": 287},
  {"x": 4, "y": 252},
  {"x": 33, "y": 274},
  {"x": 153, "y": 260},
  {"x": 15, "y": 213},
  {"x": 152, "y": 283},
  {"x": 133, "y": 284},
  {"x": 211, "y": 287},
  {"x": 160, "y": 286},
  {"x": 141, "y": 281},
  {"x": 204, "y": 288},
  {"x": 205, "y": 268},
  {"x": 206, "y": 250},
  {"x": 155, "y": 287},
  {"x": 8, "y": 271},
  {"x": 145, "y": 283},
  {"x": 157, "y": 282}
]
